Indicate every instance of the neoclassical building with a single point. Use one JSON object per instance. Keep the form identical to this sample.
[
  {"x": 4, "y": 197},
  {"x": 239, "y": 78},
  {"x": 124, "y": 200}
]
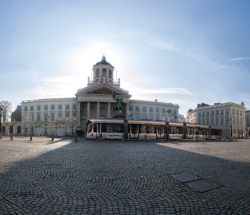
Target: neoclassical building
[
  {"x": 228, "y": 116},
  {"x": 98, "y": 100}
]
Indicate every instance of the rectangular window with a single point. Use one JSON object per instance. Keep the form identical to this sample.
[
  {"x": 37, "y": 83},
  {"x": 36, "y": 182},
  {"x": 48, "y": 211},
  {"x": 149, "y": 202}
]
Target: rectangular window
[
  {"x": 74, "y": 114},
  {"x": 45, "y": 107},
  {"x": 130, "y": 107},
  {"x": 67, "y": 114},
  {"x": 52, "y": 117},
  {"x": 157, "y": 110},
  {"x": 32, "y": 117},
  {"x": 74, "y": 106},
  {"x": 38, "y": 116},
  {"x": 60, "y": 107},
  {"x": 67, "y": 107},
  {"x": 45, "y": 117},
  {"x": 163, "y": 110},
  {"x": 137, "y": 108},
  {"x": 38, "y": 107},
  {"x": 52, "y": 107},
  {"x": 151, "y": 110},
  {"x": 25, "y": 108},
  {"x": 59, "y": 115},
  {"x": 32, "y": 108},
  {"x": 144, "y": 109},
  {"x": 169, "y": 111}
]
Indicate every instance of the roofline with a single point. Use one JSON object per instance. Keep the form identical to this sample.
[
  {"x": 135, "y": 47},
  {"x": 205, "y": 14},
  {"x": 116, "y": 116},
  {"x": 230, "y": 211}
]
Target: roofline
[
  {"x": 49, "y": 100},
  {"x": 154, "y": 102}
]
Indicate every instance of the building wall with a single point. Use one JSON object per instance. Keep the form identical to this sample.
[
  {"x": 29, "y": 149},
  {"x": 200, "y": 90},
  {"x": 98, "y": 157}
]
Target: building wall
[
  {"x": 49, "y": 117},
  {"x": 156, "y": 111},
  {"x": 228, "y": 116}
]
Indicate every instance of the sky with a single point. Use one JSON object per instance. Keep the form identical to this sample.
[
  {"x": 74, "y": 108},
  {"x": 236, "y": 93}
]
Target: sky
[{"x": 183, "y": 52}]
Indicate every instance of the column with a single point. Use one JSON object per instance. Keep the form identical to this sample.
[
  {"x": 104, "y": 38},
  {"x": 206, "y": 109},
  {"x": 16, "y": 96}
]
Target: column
[
  {"x": 109, "y": 104},
  {"x": 78, "y": 114},
  {"x": 88, "y": 110},
  {"x": 97, "y": 109}
]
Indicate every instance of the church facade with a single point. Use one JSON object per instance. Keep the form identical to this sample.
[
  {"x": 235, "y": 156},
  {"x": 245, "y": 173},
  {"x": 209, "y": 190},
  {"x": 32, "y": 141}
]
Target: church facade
[{"x": 102, "y": 98}]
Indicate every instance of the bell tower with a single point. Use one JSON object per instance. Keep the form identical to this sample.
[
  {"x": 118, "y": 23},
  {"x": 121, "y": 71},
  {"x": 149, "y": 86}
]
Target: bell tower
[{"x": 103, "y": 72}]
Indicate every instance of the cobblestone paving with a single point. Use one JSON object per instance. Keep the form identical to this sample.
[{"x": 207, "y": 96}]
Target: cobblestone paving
[{"x": 115, "y": 177}]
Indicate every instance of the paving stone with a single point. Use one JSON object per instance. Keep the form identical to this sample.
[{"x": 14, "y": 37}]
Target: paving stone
[
  {"x": 122, "y": 177},
  {"x": 203, "y": 185},
  {"x": 185, "y": 177}
]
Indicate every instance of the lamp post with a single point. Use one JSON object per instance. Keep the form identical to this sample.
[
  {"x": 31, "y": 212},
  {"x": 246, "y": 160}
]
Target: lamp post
[
  {"x": 231, "y": 127},
  {"x": 1, "y": 114}
]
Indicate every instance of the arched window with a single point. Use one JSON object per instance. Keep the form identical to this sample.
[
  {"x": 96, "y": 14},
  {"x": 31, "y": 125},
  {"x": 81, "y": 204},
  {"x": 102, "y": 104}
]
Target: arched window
[{"x": 104, "y": 72}]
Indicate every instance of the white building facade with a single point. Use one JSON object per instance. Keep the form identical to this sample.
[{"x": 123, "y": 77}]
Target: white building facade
[
  {"x": 98, "y": 100},
  {"x": 228, "y": 116}
]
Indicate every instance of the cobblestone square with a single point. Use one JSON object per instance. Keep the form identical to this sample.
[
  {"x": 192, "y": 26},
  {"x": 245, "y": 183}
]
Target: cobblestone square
[{"x": 117, "y": 177}]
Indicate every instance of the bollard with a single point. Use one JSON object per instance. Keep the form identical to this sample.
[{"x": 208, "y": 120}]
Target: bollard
[
  {"x": 11, "y": 137},
  {"x": 30, "y": 138},
  {"x": 52, "y": 138}
]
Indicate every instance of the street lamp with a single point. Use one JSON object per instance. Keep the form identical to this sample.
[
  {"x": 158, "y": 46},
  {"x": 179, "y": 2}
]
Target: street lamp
[
  {"x": 231, "y": 125},
  {"x": 1, "y": 114}
]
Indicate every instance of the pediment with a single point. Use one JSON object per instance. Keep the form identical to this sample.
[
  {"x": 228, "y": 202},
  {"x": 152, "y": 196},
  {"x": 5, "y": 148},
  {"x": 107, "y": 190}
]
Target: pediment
[
  {"x": 101, "y": 90},
  {"x": 104, "y": 89}
]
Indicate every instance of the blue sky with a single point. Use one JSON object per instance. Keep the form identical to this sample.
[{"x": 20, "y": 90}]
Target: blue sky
[{"x": 184, "y": 52}]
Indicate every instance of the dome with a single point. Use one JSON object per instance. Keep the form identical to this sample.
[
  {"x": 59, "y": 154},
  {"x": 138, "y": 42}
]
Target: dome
[{"x": 103, "y": 62}]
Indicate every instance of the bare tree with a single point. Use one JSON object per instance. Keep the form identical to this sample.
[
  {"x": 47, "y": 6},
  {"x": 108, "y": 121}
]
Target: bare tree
[{"x": 6, "y": 107}]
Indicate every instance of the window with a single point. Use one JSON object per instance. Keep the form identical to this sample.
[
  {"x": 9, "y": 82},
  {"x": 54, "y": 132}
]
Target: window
[
  {"x": 52, "y": 107},
  {"x": 45, "y": 107},
  {"x": 59, "y": 115},
  {"x": 217, "y": 112},
  {"x": 38, "y": 107},
  {"x": 222, "y": 112},
  {"x": 45, "y": 117},
  {"x": 32, "y": 108},
  {"x": 74, "y": 106},
  {"x": 25, "y": 108},
  {"x": 130, "y": 107},
  {"x": 67, "y": 114},
  {"x": 67, "y": 107},
  {"x": 38, "y": 116},
  {"x": 169, "y": 111},
  {"x": 59, "y": 107},
  {"x": 32, "y": 117},
  {"x": 52, "y": 117},
  {"x": 151, "y": 110},
  {"x": 137, "y": 108},
  {"x": 144, "y": 109},
  {"x": 104, "y": 72},
  {"x": 212, "y": 112},
  {"x": 157, "y": 110},
  {"x": 74, "y": 114},
  {"x": 163, "y": 110}
]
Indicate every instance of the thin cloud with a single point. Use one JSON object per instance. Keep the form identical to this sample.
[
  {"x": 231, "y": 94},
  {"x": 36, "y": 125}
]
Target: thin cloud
[
  {"x": 179, "y": 91},
  {"x": 239, "y": 58}
]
